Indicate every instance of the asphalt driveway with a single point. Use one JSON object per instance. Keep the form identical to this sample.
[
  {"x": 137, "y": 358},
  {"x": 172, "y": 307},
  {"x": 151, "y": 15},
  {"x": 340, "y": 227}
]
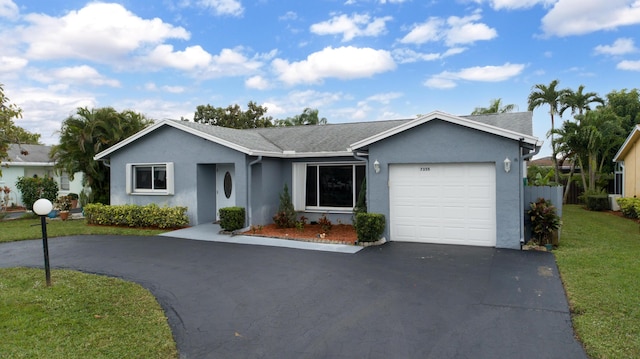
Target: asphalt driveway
[{"x": 398, "y": 300}]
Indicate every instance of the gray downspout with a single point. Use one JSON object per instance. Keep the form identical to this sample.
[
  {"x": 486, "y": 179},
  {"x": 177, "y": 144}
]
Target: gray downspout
[
  {"x": 521, "y": 184},
  {"x": 249, "y": 179}
]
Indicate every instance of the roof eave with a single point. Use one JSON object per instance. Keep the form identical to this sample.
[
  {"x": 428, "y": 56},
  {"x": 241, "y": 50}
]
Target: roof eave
[
  {"x": 176, "y": 125},
  {"x": 630, "y": 140},
  {"x": 449, "y": 118}
]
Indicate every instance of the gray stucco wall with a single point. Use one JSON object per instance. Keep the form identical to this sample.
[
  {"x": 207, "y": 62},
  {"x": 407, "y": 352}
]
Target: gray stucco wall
[
  {"x": 442, "y": 142},
  {"x": 187, "y": 152}
]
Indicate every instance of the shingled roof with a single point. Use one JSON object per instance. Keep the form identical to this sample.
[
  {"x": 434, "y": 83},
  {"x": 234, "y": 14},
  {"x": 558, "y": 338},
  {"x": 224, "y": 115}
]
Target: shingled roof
[
  {"x": 329, "y": 139},
  {"x": 28, "y": 154}
]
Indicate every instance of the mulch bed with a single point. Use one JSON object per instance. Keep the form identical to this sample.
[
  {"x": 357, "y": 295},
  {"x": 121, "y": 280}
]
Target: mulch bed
[{"x": 339, "y": 233}]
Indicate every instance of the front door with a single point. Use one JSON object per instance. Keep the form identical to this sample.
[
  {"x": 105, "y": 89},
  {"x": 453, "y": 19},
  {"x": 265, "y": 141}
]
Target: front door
[{"x": 225, "y": 187}]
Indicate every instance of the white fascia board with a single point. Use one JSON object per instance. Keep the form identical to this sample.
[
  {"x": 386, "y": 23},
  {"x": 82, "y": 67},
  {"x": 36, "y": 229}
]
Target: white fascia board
[
  {"x": 439, "y": 115},
  {"x": 27, "y": 164},
  {"x": 173, "y": 124},
  {"x": 630, "y": 140}
]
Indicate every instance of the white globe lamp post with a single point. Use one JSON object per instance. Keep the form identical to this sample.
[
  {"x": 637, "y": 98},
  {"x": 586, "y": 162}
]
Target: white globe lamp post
[{"x": 42, "y": 207}]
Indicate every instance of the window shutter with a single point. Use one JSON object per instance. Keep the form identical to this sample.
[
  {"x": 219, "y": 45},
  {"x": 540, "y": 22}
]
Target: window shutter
[
  {"x": 129, "y": 176},
  {"x": 170, "y": 181},
  {"x": 298, "y": 189}
]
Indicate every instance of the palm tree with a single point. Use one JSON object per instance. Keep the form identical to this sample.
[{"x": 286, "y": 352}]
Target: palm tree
[
  {"x": 87, "y": 133},
  {"x": 578, "y": 101},
  {"x": 548, "y": 95},
  {"x": 309, "y": 116},
  {"x": 494, "y": 107}
]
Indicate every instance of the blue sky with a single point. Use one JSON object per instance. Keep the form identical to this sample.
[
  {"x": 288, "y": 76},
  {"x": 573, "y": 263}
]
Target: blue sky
[{"x": 353, "y": 60}]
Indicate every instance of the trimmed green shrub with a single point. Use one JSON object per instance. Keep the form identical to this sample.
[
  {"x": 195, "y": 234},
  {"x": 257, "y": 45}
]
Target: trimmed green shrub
[
  {"x": 232, "y": 218},
  {"x": 370, "y": 226},
  {"x": 286, "y": 215},
  {"x": 34, "y": 188},
  {"x": 629, "y": 206},
  {"x": 132, "y": 215},
  {"x": 597, "y": 202}
]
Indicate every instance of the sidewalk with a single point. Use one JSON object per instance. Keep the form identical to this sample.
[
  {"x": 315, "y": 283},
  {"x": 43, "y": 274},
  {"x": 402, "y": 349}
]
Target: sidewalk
[{"x": 211, "y": 232}]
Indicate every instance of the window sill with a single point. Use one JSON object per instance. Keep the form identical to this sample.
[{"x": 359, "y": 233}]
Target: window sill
[
  {"x": 150, "y": 194},
  {"x": 336, "y": 210}
]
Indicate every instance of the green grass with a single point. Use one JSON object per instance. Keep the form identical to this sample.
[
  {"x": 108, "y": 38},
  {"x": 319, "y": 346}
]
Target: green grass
[
  {"x": 599, "y": 261},
  {"x": 21, "y": 229},
  {"x": 79, "y": 316}
]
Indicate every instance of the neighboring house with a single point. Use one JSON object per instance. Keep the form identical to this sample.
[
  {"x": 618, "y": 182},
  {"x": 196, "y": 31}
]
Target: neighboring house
[
  {"x": 31, "y": 161},
  {"x": 438, "y": 178},
  {"x": 628, "y": 163},
  {"x": 565, "y": 166}
]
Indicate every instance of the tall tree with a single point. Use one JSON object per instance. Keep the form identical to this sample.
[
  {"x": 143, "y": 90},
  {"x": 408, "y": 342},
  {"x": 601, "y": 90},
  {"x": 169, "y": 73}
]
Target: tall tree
[
  {"x": 495, "y": 106},
  {"x": 625, "y": 104},
  {"x": 309, "y": 116},
  {"x": 9, "y": 132},
  {"x": 233, "y": 116},
  {"x": 542, "y": 95},
  {"x": 89, "y": 132},
  {"x": 578, "y": 101}
]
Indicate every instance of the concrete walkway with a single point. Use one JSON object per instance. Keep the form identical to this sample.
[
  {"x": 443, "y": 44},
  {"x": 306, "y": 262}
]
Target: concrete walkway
[{"x": 211, "y": 232}]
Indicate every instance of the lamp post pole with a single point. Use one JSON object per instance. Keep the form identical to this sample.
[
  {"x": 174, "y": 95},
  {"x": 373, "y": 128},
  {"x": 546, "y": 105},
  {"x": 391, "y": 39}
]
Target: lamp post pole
[{"x": 42, "y": 207}]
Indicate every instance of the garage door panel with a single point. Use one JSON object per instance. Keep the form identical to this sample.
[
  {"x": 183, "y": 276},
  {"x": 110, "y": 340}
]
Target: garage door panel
[{"x": 447, "y": 203}]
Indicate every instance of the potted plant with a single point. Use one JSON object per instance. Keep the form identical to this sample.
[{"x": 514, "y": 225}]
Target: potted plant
[
  {"x": 63, "y": 204},
  {"x": 74, "y": 200},
  {"x": 544, "y": 221}
]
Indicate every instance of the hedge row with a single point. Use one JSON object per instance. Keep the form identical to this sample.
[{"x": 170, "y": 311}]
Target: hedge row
[
  {"x": 131, "y": 215},
  {"x": 630, "y": 207}
]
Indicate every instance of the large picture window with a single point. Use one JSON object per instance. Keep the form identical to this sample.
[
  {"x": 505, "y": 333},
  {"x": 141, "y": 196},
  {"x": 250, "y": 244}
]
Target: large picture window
[
  {"x": 333, "y": 185},
  {"x": 150, "y": 178}
]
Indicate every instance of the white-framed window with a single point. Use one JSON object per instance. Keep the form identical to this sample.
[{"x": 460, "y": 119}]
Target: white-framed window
[
  {"x": 150, "y": 178},
  {"x": 327, "y": 186},
  {"x": 64, "y": 181}
]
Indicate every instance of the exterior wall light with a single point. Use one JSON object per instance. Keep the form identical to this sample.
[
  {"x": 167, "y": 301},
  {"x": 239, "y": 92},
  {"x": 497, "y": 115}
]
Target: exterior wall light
[
  {"x": 376, "y": 166},
  {"x": 507, "y": 165},
  {"x": 42, "y": 207}
]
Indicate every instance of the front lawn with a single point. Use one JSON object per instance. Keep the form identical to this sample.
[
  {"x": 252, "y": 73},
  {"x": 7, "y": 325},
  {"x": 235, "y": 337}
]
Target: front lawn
[
  {"x": 21, "y": 229},
  {"x": 599, "y": 261},
  {"x": 79, "y": 316}
]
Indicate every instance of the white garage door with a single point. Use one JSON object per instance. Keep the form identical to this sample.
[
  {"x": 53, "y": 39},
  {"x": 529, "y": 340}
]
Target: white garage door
[{"x": 443, "y": 203}]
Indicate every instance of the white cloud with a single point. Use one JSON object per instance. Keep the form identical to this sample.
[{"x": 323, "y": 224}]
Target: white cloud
[
  {"x": 257, "y": 82},
  {"x": 223, "y": 7},
  {"x": 289, "y": 15},
  {"x": 83, "y": 74},
  {"x": 448, "y": 79},
  {"x": 428, "y": 31},
  {"x": 619, "y": 47},
  {"x": 351, "y": 26},
  {"x": 385, "y": 98},
  {"x": 8, "y": 9},
  {"x": 629, "y": 65},
  {"x": 517, "y": 4},
  {"x": 404, "y": 56},
  {"x": 232, "y": 62},
  {"x": 12, "y": 64},
  {"x": 454, "y": 31},
  {"x": 99, "y": 32},
  {"x": 191, "y": 58},
  {"x": 464, "y": 30},
  {"x": 578, "y": 17},
  {"x": 342, "y": 63}
]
